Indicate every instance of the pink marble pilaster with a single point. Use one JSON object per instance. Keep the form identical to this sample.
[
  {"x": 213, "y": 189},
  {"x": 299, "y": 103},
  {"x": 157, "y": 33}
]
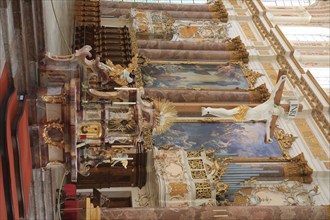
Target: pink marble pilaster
[
  {"x": 105, "y": 5},
  {"x": 181, "y": 45},
  {"x": 117, "y": 12},
  {"x": 157, "y": 54}
]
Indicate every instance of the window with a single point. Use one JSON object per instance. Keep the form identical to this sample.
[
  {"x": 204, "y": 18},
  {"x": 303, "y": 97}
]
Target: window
[
  {"x": 304, "y": 33},
  {"x": 321, "y": 75},
  {"x": 288, "y": 2}
]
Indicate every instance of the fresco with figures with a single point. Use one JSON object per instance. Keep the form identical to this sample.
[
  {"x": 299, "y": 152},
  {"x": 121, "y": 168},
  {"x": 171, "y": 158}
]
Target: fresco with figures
[
  {"x": 245, "y": 140},
  {"x": 226, "y": 76}
]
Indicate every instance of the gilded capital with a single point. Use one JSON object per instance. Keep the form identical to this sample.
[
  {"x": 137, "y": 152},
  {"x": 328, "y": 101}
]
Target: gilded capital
[
  {"x": 297, "y": 169},
  {"x": 260, "y": 94}
]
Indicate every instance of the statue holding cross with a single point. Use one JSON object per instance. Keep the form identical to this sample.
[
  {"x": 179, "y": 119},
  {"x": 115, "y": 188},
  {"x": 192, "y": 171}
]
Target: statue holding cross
[{"x": 267, "y": 111}]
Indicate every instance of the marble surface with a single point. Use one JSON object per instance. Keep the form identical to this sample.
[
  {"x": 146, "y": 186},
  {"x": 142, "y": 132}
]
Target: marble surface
[
  {"x": 108, "y": 5},
  {"x": 64, "y": 11},
  {"x": 180, "y": 45},
  {"x": 157, "y": 54},
  {"x": 229, "y": 212}
]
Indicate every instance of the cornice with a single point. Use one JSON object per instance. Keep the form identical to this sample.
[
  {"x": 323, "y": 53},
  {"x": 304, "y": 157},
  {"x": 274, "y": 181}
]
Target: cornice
[{"x": 278, "y": 41}]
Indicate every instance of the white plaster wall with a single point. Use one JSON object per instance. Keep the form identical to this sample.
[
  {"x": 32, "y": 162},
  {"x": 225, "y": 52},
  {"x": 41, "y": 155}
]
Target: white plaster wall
[{"x": 321, "y": 174}]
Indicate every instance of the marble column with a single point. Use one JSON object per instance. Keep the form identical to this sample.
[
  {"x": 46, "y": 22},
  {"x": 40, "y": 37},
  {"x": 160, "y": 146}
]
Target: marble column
[
  {"x": 105, "y": 5},
  {"x": 117, "y": 12},
  {"x": 188, "y": 102},
  {"x": 183, "y": 45},
  {"x": 114, "y": 12},
  {"x": 214, "y": 10},
  {"x": 158, "y": 54},
  {"x": 231, "y": 50}
]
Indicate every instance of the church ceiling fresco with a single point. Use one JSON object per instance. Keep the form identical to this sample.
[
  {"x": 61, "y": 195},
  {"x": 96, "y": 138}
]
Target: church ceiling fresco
[
  {"x": 244, "y": 140},
  {"x": 222, "y": 76}
]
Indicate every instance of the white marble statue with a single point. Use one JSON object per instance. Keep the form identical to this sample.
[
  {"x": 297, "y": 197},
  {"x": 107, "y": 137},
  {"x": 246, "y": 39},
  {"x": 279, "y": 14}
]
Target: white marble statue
[{"x": 261, "y": 112}]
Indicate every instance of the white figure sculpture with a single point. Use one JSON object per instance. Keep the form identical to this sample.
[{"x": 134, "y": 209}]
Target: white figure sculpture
[
  {"x": 264, "y": 111},
  {"x": 119, "y": 74},
  {"x": 120, "y": 157}
]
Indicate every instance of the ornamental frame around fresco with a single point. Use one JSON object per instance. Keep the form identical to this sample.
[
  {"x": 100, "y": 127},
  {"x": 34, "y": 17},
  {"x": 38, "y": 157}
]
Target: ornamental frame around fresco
[
  {"x": 284, "y": 140},
  {"x": 249, "y": 75}
]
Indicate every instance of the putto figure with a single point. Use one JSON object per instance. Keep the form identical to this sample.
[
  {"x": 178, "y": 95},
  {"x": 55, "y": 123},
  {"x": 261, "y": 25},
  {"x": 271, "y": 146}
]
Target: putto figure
[{"x": 261, "y": 112}]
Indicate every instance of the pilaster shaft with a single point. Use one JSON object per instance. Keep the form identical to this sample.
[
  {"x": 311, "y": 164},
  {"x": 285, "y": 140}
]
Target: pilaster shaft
[
  {"x": 155, "y": 6},
  {"x": 181, "y": 45}
]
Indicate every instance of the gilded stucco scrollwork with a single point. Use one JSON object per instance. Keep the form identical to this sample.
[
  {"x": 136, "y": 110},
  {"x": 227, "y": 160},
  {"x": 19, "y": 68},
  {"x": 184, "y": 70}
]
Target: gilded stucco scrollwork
[
  {"x": 147, "y": 137},
  {"x": 289, "y": 193},
  {"x": 196, "y": 164},
  {"x": 118, "y": 73},
  {"x": 285, "y": 140},
  {"x": 151, "y": 22},
  {"x": 94, "y": 156},
  {"x": 203, "y": 190},
  {"x": 122, "y": 125},
  {"x": 219, "y": 167},
  {"x": 260, "y": 94},
  {"x": 218, "y": 10},
  {"x": 297, "y": 169},
  {"x": 178, "y": 189},
  {"x": 138, "y": 78},
  {"x": 54, "y": 99},
  {"x": 165, "y": 113},
  {"x": 235, "y": 44},
  {"x": 132, "y": 35},
  {"x": 240, "y": 56},
  {"x": 250, "y": 75},
  {"x": 194, "y": 154},
  {"x": 198, "y": 174},
  {"x": 51, "y": 141},
  {"x": 200, "y": 31}
]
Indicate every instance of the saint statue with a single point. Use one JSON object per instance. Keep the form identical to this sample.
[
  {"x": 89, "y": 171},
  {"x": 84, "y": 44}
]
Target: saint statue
[{"x": 264, "y": 111}]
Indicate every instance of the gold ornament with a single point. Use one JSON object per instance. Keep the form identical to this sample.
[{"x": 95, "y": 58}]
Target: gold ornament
[
  {"x": 48, "y": 140},
  {"x": 54, "y": 99},
  {"x": 178, "y": 189},
  {"x": 122, "y": 125},
  {"x": 240, "y": 115},
  {"x": 250, "y": 75},
  {"x": 164, "y": 114},
  {"x": 117, "y": 71}
]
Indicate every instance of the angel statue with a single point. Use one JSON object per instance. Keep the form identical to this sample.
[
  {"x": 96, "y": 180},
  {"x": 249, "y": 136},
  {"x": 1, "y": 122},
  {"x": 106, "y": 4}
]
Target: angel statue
[
  {"x": 264, "y": 111},
  {"x": 121, "y": 75},
  {"x": 104, "y": 72}
]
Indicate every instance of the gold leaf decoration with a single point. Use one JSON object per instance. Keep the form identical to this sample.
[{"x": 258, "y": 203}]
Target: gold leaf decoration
[
  {"x": 250, "y": 75},
  {"x": 116, "y": 72},
  {"x": 285, "y": 140},
  {"x": 165, "y": 114},
  {"x": 48, "y": 139},
  {"x": 122, "y": 125}
]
